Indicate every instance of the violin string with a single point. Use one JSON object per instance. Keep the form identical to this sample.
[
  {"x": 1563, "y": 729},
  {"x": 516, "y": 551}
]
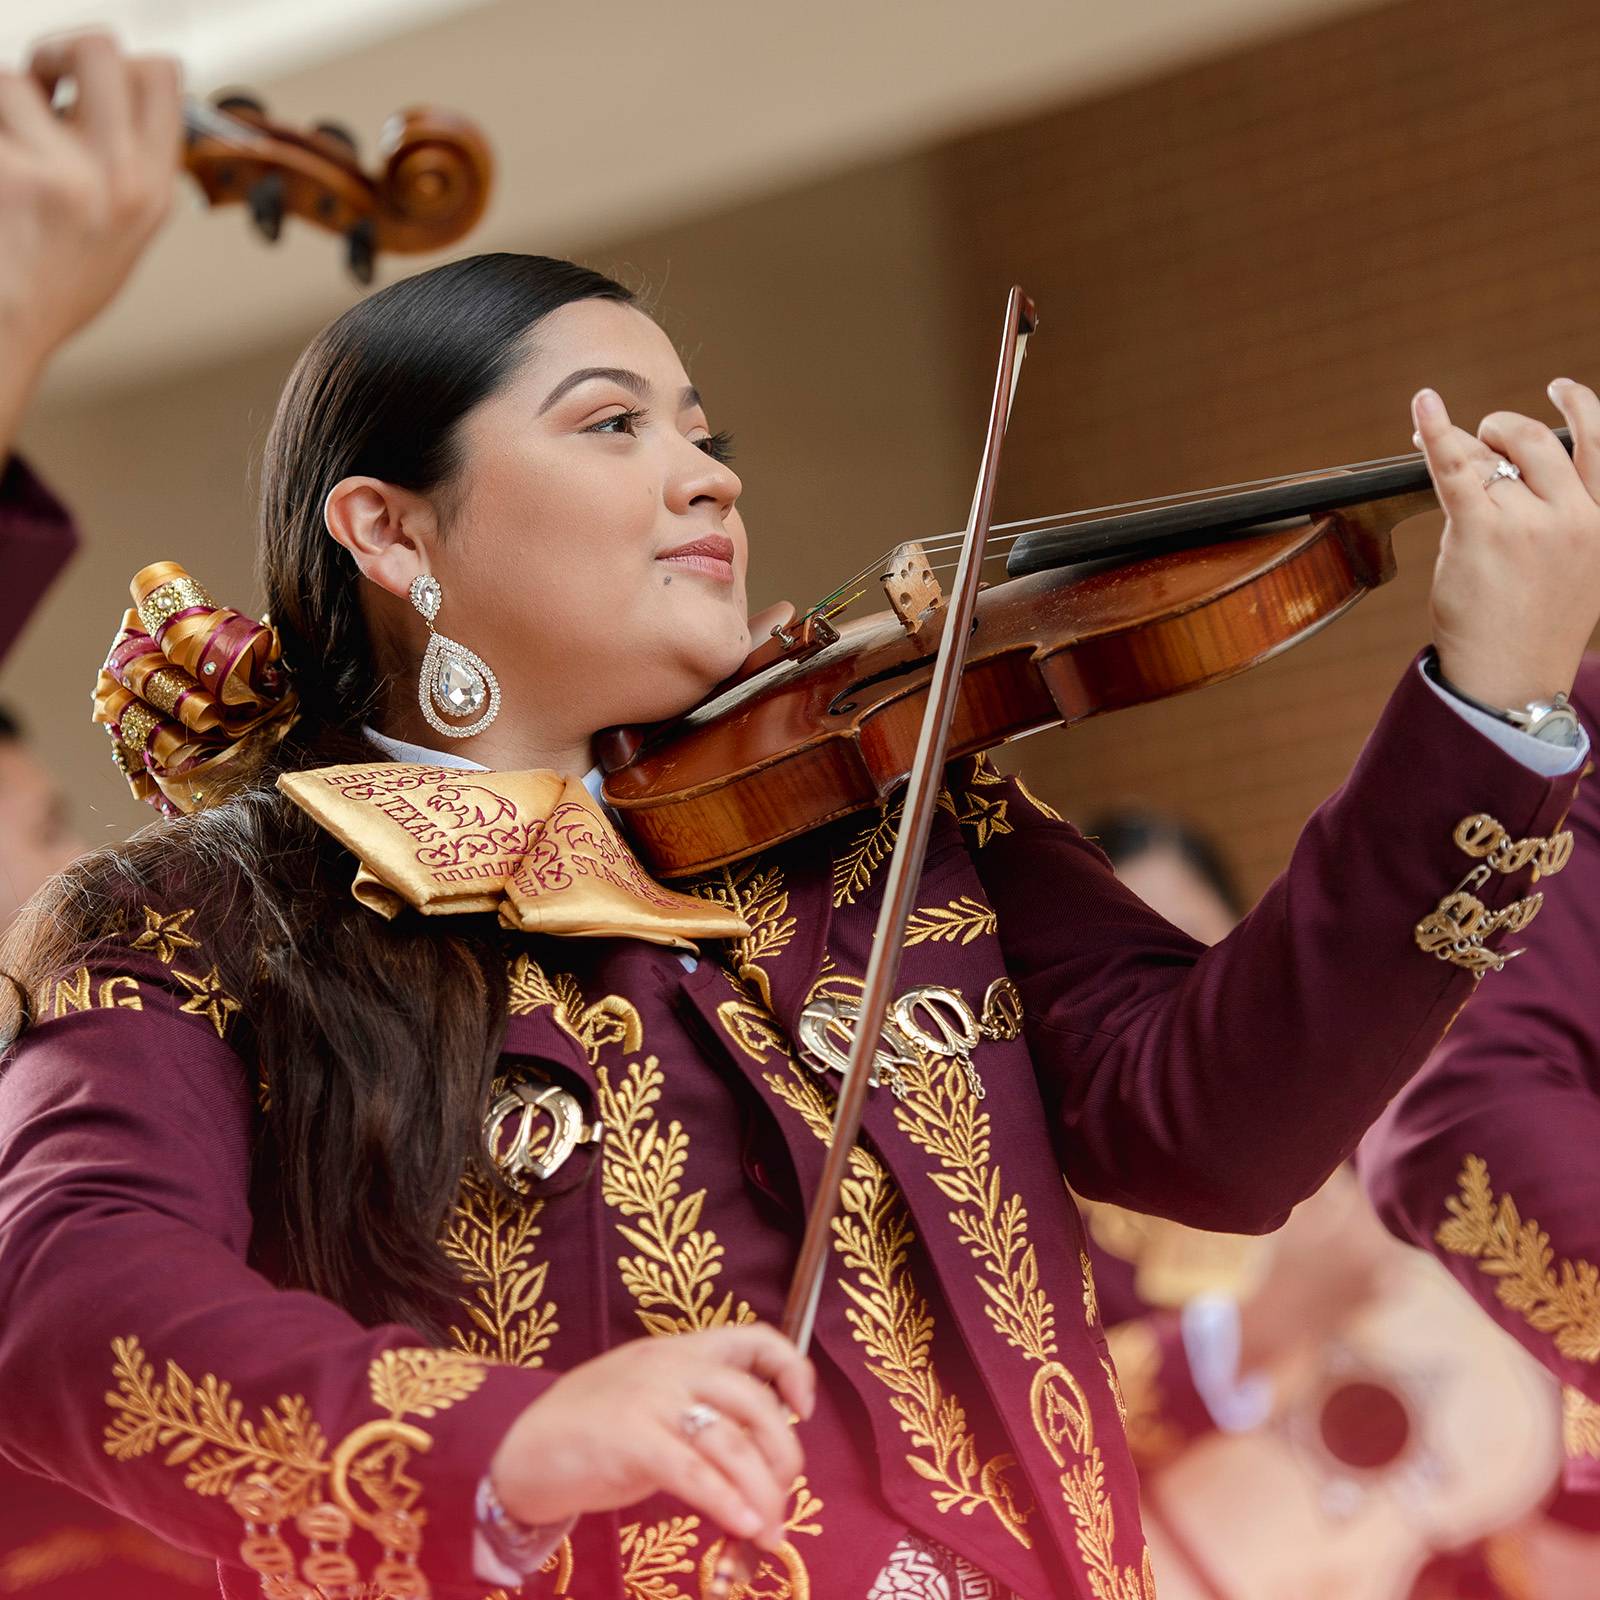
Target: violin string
[
  {"x": 1015, "y": 530},
  {"x": 218, "y": 125}
]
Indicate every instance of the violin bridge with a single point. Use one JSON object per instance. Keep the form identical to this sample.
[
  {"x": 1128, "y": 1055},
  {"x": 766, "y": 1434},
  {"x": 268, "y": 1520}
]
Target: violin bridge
[{"x": 914, "y": 593}]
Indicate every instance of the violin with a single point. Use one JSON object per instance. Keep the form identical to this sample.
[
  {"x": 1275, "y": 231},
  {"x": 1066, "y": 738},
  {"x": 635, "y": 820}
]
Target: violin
[
  {"x": 430, "y": 187},
  {"x": 1098, "y": 612}
]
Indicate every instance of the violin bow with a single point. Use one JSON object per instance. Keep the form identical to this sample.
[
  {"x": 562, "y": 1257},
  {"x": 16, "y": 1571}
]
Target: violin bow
[{"x": 737, "y": 1565}]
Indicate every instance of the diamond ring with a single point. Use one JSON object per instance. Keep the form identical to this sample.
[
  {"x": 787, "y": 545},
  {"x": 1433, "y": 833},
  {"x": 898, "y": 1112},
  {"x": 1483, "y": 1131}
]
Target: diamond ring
[
  {"x": 1502, "y": 469},
  {"x": 697, "y": 1417}
]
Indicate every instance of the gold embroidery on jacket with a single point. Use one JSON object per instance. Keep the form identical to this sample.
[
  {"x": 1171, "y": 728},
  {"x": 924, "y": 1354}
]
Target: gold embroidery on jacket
[
  {"x": 963, "y": 919},
  {"x": 203, "y": 1429},
  {"x": 80, "y": 993},
  {"x": 1560, "y": 1298},
  {"x": 207, "y": 999},
  {"x": 651, "y": 1555},
  {"x": 1091, "y": 1297},
  {"x": 755, "y": 892},
  {"x": 892, "y": 1321},
  {"x": 940, "y": 1114},
  {"x": 673, "y": 1276},
  {"x": 165, "y": 935},
  {"x": 1044, "y": 809},
  {"x": 861, "y": 858},
  {"x": 491, "y": 1238},
  {"x": 794, "y": 1581},
  {"x": 611, "y": 1021},
  {"x": 1580, "y": 1424},
  {"x": 985, "y": 815}
]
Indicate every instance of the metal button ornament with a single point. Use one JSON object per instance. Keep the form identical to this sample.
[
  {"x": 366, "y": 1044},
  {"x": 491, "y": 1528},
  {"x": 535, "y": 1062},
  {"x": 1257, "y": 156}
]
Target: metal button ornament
[
  {"x": 453, "y": 681},
  {"x": 534, "y": 1150}
]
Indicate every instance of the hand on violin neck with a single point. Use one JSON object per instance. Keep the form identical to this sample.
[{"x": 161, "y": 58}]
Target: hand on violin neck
[
  {"x": 81, "y": 194},
  {"x": 1516, "y": 589}
]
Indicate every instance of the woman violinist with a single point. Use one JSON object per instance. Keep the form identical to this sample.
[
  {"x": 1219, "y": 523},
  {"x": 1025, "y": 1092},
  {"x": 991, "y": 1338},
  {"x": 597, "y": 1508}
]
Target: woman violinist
[{"x": 398, "y": 1185}]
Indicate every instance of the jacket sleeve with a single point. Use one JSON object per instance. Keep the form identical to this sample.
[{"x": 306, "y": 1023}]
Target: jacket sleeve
[
  {"x": 1221, "y": 1086},
  {"x": 144, "y": 1362},
  {"x": 37, "y": 539},
  {"x": 1488, "y": 1158}
]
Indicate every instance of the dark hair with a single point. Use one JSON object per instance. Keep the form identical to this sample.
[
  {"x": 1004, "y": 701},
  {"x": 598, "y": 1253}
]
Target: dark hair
[
  {"x": 1130, "y": 832},
  {"x": 10, "y": 728},
  {"x": 375, "y": 1043}
]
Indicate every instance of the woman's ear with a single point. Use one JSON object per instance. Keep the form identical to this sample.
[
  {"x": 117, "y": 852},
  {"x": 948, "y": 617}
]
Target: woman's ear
[{"x": 387, "y": 529}]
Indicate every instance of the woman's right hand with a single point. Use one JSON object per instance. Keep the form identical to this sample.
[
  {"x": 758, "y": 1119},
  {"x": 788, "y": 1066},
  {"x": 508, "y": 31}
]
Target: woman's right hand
[{"x": 611, "y": 1432}]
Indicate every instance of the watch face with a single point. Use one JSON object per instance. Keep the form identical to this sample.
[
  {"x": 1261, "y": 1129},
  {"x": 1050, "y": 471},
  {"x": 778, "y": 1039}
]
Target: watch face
[{"x": 1558, "y": 727}]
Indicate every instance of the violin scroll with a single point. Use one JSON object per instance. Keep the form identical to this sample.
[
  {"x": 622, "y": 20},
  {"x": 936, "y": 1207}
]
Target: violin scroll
[{"x": 431, "y": 188}]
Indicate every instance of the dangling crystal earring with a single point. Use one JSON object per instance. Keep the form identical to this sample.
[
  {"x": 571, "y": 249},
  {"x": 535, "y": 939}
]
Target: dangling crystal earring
[{"x": 453, "y": 681}]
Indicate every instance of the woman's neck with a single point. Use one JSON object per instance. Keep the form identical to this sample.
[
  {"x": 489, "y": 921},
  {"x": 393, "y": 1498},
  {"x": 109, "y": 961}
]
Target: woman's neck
[{"x": 506, "y": 745}]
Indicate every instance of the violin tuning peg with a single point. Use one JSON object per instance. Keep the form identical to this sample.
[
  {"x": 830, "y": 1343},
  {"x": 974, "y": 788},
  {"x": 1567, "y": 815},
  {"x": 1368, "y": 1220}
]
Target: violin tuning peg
[
  {"x": 361, "y": 250},
  {"x": 337, "y": 133},
  {"x": 266, "y": 205}
]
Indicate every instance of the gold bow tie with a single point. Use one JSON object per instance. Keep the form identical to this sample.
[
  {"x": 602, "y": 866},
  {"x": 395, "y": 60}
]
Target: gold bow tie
[{"x": 533, "y": 846}]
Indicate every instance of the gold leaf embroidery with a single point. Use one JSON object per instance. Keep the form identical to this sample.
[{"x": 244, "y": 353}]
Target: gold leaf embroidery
[
  {"x": 1561, "y": 1299},
  {"x": 651, "y": 1555},
  {"x": 963, "y": 919},
  {"x": 1083, "y": 1487},
  {"x": 610, "y": 1021},
  {"x": 892, "y": 1322},
  {"x": 1091, "y": 1297},
  {"x": 420, "y": 1382},
  {"x": 1038, "y": 805},
  {"x": 755, "y": 892},
  {"x": 207, "y": 999},
  {"x": 491, "y": 1239},
  {"x": 204, "y": 1430},
  {"x": 673, "y": 1276},
  {"x": 1580, "y": 1424},
  {"x": 165, "y": 936},
  {"x": 853, "y": 870},
  {"x": 940, "y": 1115}
]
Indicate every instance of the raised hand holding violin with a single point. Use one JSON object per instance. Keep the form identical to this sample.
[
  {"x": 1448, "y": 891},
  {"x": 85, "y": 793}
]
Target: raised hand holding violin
[
  {"x": 1516, "y": 589},
  {"x": 81, "y": 195}
]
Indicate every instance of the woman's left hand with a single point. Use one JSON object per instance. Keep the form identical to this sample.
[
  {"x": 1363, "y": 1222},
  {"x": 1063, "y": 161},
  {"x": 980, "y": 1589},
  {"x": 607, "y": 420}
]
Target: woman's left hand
[{"x": 1516, "y": 591}]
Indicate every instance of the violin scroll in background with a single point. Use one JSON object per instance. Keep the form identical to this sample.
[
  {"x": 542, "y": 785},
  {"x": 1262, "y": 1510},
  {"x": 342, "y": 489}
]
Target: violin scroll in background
[{"x": 429, "y": 190}]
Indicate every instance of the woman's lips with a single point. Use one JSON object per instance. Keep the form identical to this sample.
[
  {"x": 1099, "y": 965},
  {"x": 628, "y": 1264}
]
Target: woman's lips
[{"x": 711, "y": 556}]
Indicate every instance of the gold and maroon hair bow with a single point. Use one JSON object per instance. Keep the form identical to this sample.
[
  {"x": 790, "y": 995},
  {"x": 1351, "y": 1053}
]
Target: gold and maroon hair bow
[{"x": 194, "y": 695}]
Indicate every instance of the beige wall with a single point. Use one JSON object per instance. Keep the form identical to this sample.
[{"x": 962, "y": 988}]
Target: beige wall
[{"x": 817, "y": 323}]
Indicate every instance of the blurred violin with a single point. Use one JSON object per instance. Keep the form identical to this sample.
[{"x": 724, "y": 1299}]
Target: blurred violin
[
  {"x": 429, "y": 189},
  {"x": 1100, "y": 610}
]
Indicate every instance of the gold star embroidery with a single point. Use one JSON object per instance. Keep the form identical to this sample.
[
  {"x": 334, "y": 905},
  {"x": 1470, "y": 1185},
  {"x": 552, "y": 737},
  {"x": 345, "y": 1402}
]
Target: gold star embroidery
[
  {"x": 166, "y": 936},
  {"x": 985, "y": 817},
  {"x": 207, "y": 999}
]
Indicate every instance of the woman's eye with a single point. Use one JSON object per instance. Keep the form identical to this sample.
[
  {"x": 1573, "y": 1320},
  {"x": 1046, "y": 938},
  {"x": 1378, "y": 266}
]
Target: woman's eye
[
  {"x": 719, "y": 446},
  {"x": 624, "y": 422}
]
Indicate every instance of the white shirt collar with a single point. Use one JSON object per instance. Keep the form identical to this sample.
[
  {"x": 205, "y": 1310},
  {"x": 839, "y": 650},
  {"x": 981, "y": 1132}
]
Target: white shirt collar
[{"x": 419, "y": 755}]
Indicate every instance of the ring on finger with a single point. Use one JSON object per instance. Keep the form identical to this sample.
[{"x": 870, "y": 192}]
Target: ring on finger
[
  {"x": 697, "y": 1418},
  {"x": 1503, "y": 469}
]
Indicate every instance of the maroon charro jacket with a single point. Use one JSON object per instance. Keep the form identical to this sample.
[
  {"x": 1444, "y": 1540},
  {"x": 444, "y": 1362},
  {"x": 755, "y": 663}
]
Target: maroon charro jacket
[
  {"x": 1491, "y": 1158},
  {"x": 148, "y": 1356},
  {"x": 36, "y": 542}
]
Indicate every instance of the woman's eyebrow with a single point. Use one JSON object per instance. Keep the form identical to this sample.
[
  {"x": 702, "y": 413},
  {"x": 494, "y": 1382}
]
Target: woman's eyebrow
[{"x": 634, "y": 382}]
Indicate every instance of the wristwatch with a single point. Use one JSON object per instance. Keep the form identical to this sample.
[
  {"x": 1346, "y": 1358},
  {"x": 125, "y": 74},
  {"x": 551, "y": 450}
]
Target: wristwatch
[{"x": 1551, "y": 721}]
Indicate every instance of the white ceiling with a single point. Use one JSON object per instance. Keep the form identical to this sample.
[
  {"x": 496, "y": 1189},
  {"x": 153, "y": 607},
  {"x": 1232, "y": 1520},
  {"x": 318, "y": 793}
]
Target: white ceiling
[
  {"x": 606, "y": 119},
  {"x": 218, "y": 40}
]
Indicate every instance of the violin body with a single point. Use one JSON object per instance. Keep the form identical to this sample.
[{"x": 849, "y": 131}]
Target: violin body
[{"x": 806, "y": 741}]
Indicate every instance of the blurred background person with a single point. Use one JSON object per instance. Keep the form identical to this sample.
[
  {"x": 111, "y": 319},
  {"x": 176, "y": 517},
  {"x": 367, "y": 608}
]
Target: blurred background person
[{"x": 1219, "y": 1336}]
